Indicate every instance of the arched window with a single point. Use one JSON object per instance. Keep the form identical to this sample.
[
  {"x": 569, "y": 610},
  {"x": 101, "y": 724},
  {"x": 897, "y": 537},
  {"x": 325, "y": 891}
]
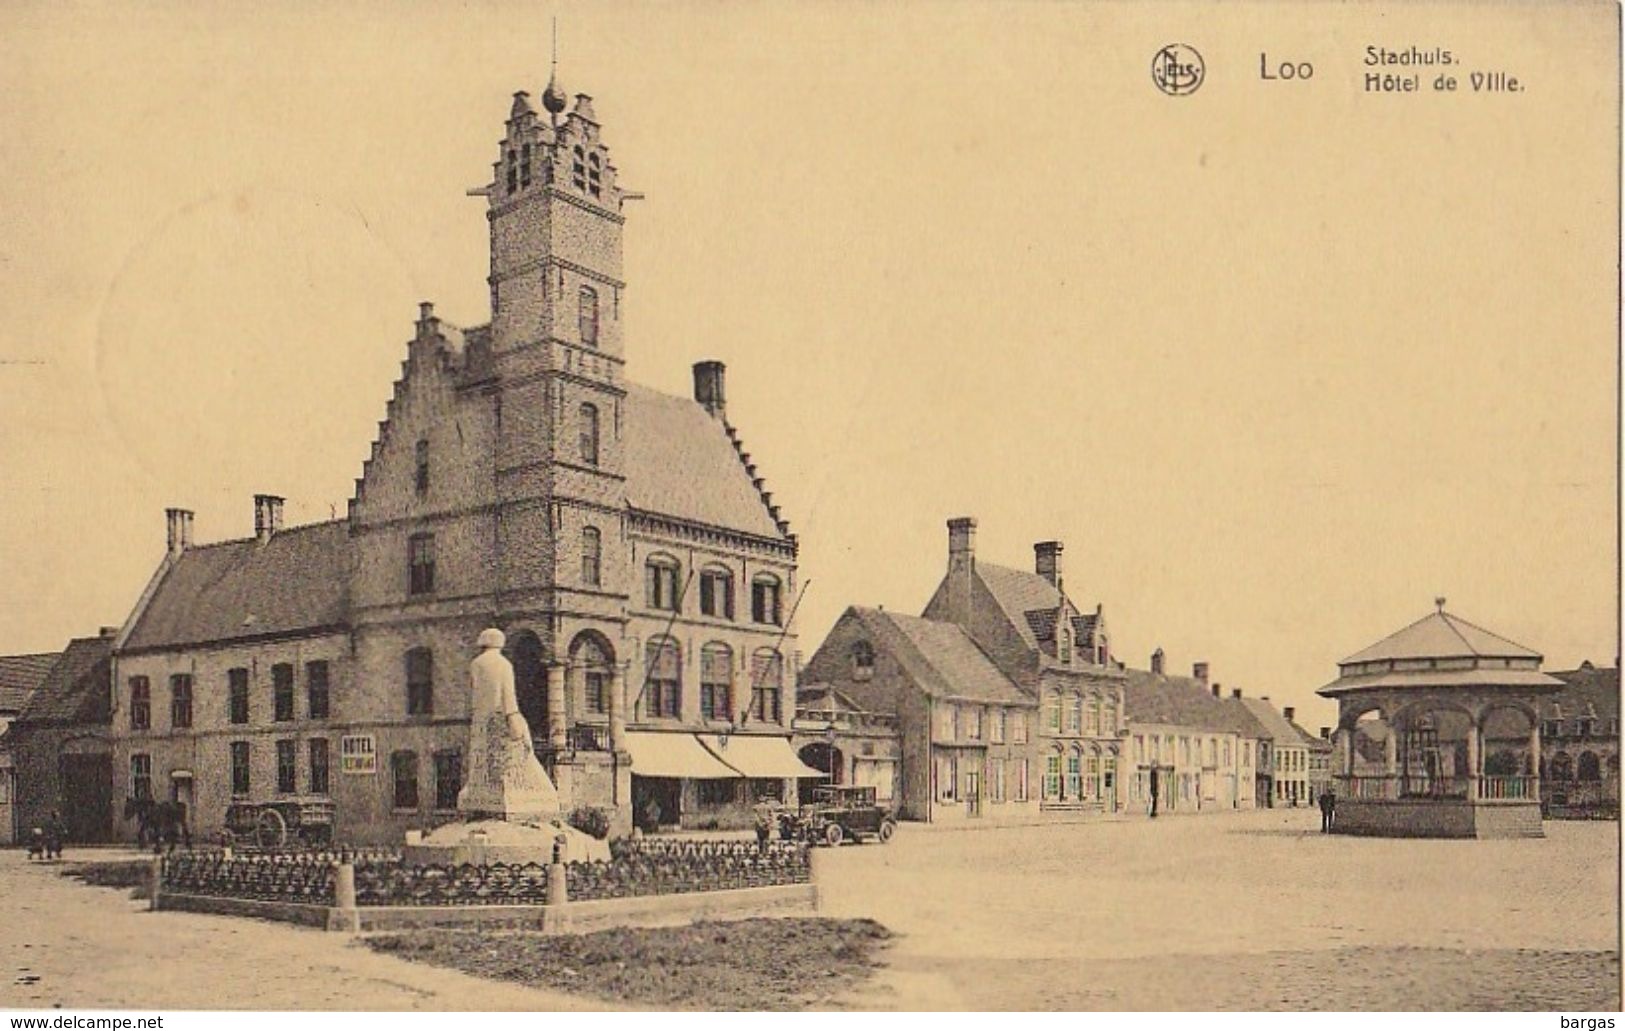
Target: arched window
[
  {"x": 420, "y": 682},
  {"x": 1074, "y": 714},
  {"x": 716, "y": 681},
  {"x": 589, "y": 434},
  {"x": 1074, "y": 774},
  {"x": 1590, "y": 768},
  {"x": 663, "y": 699},
  {"x": 660, "y": 583},
  {"x": 767, "y": 686},
  {"x": 1052, "y": 775},
  {"x": 1562, "y": 767},
  {"x": 1064, "y": 645},
  {"x": 863, "y": 660},
  {"x": 717, "y": 592},
  {"x": 588, "y": 654},
  {"x": 765, "y": 600},
  {"x": 1091, "y": 717},
  {"x": 592, "y": 550},
  {"x": 588, "y": 316}
]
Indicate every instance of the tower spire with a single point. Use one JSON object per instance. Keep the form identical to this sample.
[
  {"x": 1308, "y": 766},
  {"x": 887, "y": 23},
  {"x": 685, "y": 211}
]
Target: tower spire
[{"x": 553, "y": 98}]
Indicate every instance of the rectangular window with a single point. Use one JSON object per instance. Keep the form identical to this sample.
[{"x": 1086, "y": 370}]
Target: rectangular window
[
  {"x": 996, "y": 730},
  {"x": 596, "y": 686},
  {"x": 141, "y": 777},
  {"x": 422, "y": 477},
  {"x": 1227, "y": 752},
  {"x": 237, "y": 695},
  {"x": 1021, "y": 780},
  {"x": 287, "y": 767},
  {"x": 664, "y": 697},
  {"x": 592, "y": 556},
  {"x": 524, "y": 165},
  {"x": 239, "y": 769},
  {"x": 316, "y": 689},
  {"x": 1052, "y": 775},
  {"x": 717, "y": 593},
  {"x": 764, "y": 601},
  {"x": 1018, "y": 727},
  {"x": 973, "y": 722},
  {"x": 995, "y": 776},
  {"x": 1074, "y": 715},
  {"x": 947, "y": 777},
  {"x": 716, "y": 682},
  {"x": 947, "y": 721},
  {"x": 715, "y": 793},
  {"x": 1074, "y": 776},
  {"x": 420, "y": 682},
  {"x": 589, "y": 434},
  {"x": 180, "y": 700},
  {"x": 1052, "y": 712},
  {"x": 319, "y": 775},
  {"x": 767, "y": 687},
  {"x": 282, "y": 692},
  {"x": 448, "y": 779},
  {"x": 140, "y": 703},
  {"x": 404, "y": 773},
  {"x": 660, "y": 581},
  {"x": 420, "y": 563},
  {"x": 765, "y": 789},
  {"x": 589, "y": 316},
  {"x": 1091, "y": 718}
]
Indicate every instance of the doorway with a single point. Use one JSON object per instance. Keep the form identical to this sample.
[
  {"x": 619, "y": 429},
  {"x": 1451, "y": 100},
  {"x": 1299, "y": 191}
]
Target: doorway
[{"x": 87, "y": 797}]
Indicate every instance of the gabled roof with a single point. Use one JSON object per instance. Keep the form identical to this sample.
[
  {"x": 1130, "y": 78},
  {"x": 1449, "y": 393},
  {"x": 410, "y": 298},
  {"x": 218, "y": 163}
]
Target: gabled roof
[
  {"x": 295, "y": 582},
  {"x": 1440, "y": 635},
  {"x": 1588, "y": 690},
  {"x": 75, "y": 690},
  {"x": 940, "y": 658},
  {"x": 1017, "y": 593},
  {"x": 681, "y": 462},
  {"x": 1274, "y": 724},
  {"x": 20, "y": 675},
  {"x": 1182, "y": 702}
]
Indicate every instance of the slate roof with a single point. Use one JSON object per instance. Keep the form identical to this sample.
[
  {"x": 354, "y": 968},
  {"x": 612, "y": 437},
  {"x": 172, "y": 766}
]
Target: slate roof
[
  {"x": 680, "y": 462},
  {"x": 1018, "y": 592},
  {"x": 1182, "y": 702},
  {"x": 941, "y": 658},
  {"x": 1587, "y": 691},
  {"x": 295, "y": 582},
  {"x": 1274, "y": 724},
  {"x": 20, "y": 675},
  {"x": 76, "y": 688},
  {"x": 1440, "y": 635}
]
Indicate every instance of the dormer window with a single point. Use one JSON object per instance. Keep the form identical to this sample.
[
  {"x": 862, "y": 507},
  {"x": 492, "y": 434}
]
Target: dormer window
[
  {"x": 863, "y": 660},
  {"x": 589, "y": 316},
  {"x": 1063, "y": 646}
]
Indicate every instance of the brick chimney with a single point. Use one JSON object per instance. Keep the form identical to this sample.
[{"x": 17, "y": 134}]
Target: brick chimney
[
  {"x": 267, "y": 516},
  {"x": 961, "y": 568},
  {"x": 1287, "y": 712},
  {"x": 709, "y": 383},
  {"x": 1325, "y": 733},
  {"x": 1199, "y": 671},
  {"x": 179, "y": 527},
  {"x": 1218, "y": 689},
  {"x": 1236, "y": 693},
  {"x": 1047, "y": 561},
  {"x": 1156, "y": 662}
]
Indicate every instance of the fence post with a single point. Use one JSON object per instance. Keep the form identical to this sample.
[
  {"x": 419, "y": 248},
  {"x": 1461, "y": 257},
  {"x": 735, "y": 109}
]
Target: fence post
[
  {"x": 156, "y": 877},
  {"x": 344, "y": 908}
]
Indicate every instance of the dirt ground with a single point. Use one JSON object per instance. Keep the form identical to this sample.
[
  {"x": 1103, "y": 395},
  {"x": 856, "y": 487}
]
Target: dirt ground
[{"x": 761, "y": 964}]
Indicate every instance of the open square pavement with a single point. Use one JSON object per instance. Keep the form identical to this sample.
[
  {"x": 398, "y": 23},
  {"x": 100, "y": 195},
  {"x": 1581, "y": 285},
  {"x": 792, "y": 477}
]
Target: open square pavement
[{"x": 1224, "y": 911}]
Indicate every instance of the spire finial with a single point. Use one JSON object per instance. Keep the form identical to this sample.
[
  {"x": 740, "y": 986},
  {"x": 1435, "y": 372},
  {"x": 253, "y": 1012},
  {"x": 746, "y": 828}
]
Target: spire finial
[
  {"x": 1439, "y": 602},
  {"x": 553, "y": 98}
]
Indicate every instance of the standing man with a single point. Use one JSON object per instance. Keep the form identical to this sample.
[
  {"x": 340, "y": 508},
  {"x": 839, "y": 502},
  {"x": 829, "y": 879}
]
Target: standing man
[
  {"x": 1154, "y": 780},
  {"x": 1328, "y": 810}
]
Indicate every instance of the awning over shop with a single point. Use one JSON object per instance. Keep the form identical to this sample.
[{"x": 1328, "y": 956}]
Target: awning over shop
[
  {"x": 674, "y": 755},
  {"x": 759, "y": 756}
]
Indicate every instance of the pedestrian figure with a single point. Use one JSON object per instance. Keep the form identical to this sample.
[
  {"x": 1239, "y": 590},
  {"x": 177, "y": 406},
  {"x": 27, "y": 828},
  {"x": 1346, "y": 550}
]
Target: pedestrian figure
[
  {"x": 1154, "y": 779},
  {"x": 1328, "y": 811},
  {"x": 54, "y": 833},
  {"x": 36, "y": 843},
  {"x": 764, "y": 825}
]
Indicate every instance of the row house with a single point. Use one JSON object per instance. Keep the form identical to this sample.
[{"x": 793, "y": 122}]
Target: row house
[
  {"x": 1192, "y": 748},
  {"x": 56, "y": 755},
  {"x": 1283, "y": 766},
  {"x": 622, "y": 537}
]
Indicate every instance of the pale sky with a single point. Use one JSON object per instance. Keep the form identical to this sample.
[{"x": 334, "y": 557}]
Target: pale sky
[{"x": 1278, "y": 363}]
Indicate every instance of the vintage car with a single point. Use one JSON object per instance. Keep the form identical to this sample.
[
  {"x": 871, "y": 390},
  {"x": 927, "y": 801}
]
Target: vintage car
[
  {"x": 307, "y": 820},
  {"x": 838, "y": 814}
]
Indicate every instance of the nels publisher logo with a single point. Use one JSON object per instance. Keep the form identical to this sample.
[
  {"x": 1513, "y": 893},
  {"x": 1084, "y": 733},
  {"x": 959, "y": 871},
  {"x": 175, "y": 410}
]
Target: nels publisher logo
[{"x": 1177, "y": 69}]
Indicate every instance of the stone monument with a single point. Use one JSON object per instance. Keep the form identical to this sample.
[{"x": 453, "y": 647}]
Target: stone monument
[{"x": 508, "y": 804}]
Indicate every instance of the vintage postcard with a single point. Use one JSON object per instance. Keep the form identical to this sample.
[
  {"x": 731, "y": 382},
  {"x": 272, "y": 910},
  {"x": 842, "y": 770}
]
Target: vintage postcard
[{"x": 847, "y": 506}]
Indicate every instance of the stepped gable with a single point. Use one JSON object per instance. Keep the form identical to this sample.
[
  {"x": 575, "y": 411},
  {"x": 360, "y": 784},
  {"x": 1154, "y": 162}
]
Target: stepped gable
[
  {"x": 295, "y": 582},
  {"x": 683, "y": 463},
  {"x": 463, "y": 356}
]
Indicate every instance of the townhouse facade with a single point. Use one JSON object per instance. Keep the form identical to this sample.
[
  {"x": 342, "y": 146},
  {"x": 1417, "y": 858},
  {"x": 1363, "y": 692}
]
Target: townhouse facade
[
  {"x": 1283, "y": 778},
  {"x": 1196, "y": 750}
]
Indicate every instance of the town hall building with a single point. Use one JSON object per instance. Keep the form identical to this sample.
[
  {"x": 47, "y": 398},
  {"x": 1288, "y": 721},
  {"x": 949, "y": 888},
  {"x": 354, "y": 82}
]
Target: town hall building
[{"x": 621, "y": 537}]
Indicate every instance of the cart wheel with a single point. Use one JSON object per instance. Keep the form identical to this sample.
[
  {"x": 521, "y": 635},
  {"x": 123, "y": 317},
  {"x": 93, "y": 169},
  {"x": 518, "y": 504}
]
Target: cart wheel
[
  {"x": 885, "y": 832},
  {"x": 833, "y": 834},
  {"x": 270, "y": 829}
]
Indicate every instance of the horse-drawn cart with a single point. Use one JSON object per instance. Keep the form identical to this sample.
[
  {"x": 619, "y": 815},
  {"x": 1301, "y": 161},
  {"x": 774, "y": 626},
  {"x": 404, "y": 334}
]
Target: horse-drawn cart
[{"x": 307, "y": 820}]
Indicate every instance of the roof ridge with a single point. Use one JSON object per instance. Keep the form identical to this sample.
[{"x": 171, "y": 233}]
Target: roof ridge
[
  {"x": 1449, "y": 621},
  {"x": 278, "y": 533},
  {"x": 1453, "y": 619}
]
